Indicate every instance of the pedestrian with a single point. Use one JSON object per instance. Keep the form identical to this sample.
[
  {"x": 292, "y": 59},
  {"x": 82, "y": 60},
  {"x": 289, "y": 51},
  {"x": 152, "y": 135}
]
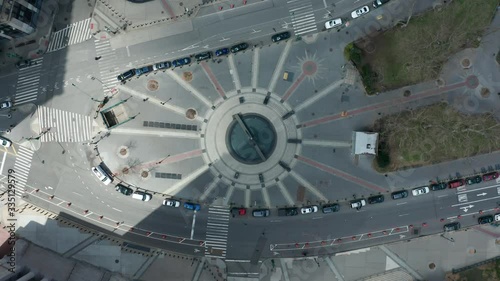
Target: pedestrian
[
  {"x": 274, "y": 29},
  {"x": 144, "y": 100},
  {"x": 98, "y": 58}
]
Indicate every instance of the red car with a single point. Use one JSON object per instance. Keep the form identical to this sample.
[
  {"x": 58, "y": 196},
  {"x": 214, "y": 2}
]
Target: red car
[
  {"x": 238, "y": 211},
  {"x": 456, "y": 183},
  {"x": 490, "y": 176}
]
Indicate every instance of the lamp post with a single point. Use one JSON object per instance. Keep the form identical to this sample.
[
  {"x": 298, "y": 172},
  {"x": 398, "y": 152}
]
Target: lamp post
[
  {"x": 6, "y": 115},
  {"x": 159, "y": 162},
  {"x": 73, "y": 84}
]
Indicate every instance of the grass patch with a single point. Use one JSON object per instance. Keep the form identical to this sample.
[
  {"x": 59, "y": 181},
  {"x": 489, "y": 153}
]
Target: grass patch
[
  {"x": 417, "y": 52},
  {"x": 433, "y": 134}
]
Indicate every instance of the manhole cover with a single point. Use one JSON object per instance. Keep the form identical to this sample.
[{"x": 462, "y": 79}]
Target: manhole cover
[
  {"x": 432, "y": 265},
  {"x": 153, "y": 85},
  {"x": 407, "y": 93}
]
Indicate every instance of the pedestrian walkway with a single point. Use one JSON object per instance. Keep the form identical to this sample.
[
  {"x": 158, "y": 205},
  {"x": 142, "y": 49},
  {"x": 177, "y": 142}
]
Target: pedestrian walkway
[
  {"x": 74, "y": 33},
  {"x": 107, "y": 65},
  {"x": 302, "y": 14},
  {"x": 22, "y": 169},
  {"x": 28, "y": 80},
  {"x": 217, "y": 230},
  {"x": 63, "y": 126}
]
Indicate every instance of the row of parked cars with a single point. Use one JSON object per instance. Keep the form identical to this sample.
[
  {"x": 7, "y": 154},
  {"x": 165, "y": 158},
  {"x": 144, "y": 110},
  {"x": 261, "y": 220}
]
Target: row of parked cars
[
  {"x": 198, "y": 57},
  {"x": 355, "y": 14},
  {"x": 453, "y": 226}
]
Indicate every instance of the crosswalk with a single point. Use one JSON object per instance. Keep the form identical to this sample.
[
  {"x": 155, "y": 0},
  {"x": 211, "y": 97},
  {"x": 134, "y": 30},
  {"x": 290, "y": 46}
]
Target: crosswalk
[
  {"x": 107, "y": 66},
  {"x": 22, "y": 169},
  {"x": 74, "y": 33},
  {"x": 28, "y": 80},
  {"x": 216, "y": 233},
  {"x": 63, "y": 126},
  {"x": 302, "y": 14}
]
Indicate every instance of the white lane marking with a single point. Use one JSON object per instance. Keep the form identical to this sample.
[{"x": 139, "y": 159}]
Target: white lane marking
[
  {"x": 128, "y": 51},
  {"x": 491, "y": 198},
  {"x": 403, "y": 215},
  {"x": 117, "y": 210},
  {"x": 440, "y": 196},
  {"x": 77, "y": 193},
  {"x": 402, "y": 203},
  {"x": 316, "y": 218},
  {"x": 192, "y": 226},
  {"x": 3, "y": 162},
  {"x": 275, "y": 221},
  {"x": 477, "y": 189}
]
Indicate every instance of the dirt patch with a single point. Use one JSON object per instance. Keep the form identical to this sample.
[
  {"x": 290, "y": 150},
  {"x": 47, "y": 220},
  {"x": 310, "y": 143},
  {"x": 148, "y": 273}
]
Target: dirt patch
[
  {"x": 433, "y": 134},
  {"x": 187, "y": 76},
  {"x": 416, "y": 52},
  {"x": 486, "y": 272}
]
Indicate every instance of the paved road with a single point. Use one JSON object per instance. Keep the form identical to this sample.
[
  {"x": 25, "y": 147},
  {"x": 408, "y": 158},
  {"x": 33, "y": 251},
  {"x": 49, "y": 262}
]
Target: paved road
[{"x": 66, "y": 84}]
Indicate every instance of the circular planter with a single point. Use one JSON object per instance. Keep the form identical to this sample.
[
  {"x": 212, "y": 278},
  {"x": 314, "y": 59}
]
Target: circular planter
[
  {"x": 407, "y": 93},
  {"x": 145, "y": 174},
  {"x": 440, "y": 82},
  {"x": 191, "y": 114},
  {"x": 123, "y": 152},
  {"x": 126, "y": 170},
  {"x": 152, "y": 85},
  {"x": 187, "y": 76},
  {"x": 465, "y": 63}
]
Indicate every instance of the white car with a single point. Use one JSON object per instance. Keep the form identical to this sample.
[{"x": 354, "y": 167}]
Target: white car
[
  {"x": 420, "y": 190},
  {"x": 497, "y": 217},
  {"x": 171, "y": 203},
  {"x": 5, "y": 104},
  {"x": 101, "y": 175},
  {"x": 356, "y": 204},
  {"x": 333, "y": 23},
  {"x": 309, "y": 209},
  {"x": 5, "y": 142},
  {"x": 359, "y": 12}
]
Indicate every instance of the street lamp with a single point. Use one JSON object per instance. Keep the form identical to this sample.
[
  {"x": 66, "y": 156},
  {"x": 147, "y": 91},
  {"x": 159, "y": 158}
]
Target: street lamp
[
  {"x": 159, "y": 162},
  {"x": 73, "y": 84},
  {"x": 6, "y": 115}
]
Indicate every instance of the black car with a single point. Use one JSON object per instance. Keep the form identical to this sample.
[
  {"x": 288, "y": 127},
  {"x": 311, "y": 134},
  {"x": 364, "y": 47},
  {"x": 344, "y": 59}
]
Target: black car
[
  {"x": 280, "y": 36},
  {"x": 399, "y": 194},
  {"x": 330, "y": 208},
  {"x": 485, "y": 219},
  {"x": 376, "y": 199},
  {"x": 203, "y": 56},
  {"x": 473, "y": 180},
  {"x": 292, "y": 211},
  {"x": 124, "y": 190},
  {"x": 452, "y": 226},
  {"x": 25, "y": 63},
  {"x": 239, "y": 47},
  {"x": 143, "y": 70},
  {"x": 162, "y": 65},
  {"x": 438, "y": 186},
  {"x": 126, "y": 75},
  {"x": 261, "y": 213}
]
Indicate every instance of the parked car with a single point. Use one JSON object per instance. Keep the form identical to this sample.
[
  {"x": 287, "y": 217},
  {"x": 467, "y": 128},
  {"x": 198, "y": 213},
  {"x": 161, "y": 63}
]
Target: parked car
[
  {"x": 5, "y": 104},
  {"x": 238, "y": 211},
  {"x": 490, "y": 176},
  {"x": 5, "y": 142},
  {"x": 456, "y": 183},
  {"x": 359, "y": 12},
  {"x": 126, "y": 75},
  {"x": 192, "y": 206},
  {"x": 260, "y": 213},
  {"x": 378, "y": 3},
  {"x": 181, "y": 62},
  {"x": 399, "y": 194},
  {"x": 291, "y": 211},
  {"x": 497, "y": 217},
  {"x": 171, "y": 203},
  {"x": 473, "y": 180},
  {"x": 280, "y": 36},
  {"x": 357, "y": 204},
  {"x": 330, "y": 208},
  {"x": 420, "y": 190},
  {"x": 221, "y": 52},
  {"x": 102, "y": 175},
  {"x": 333, "y": 23},
  {"x": 203, "y": 56},
  {"x": 452, "y": 226},
  {"x": 309, "y": 209},
  {"x": 25, "y": 63},
  {"x": 439, "y": 186},
  {"x": 238, "y": 48},
  {"x": 485, "y": 219},
  {"x": 143, "y": 70},
  {"x": 141, "y": 195},
  {"x": 124, "y": 189},
  {"x": 376, "y": 199},
  {"x": 162, "y": 65}
]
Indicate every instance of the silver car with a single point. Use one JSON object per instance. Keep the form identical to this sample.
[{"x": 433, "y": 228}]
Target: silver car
[{"x": 359, "y": 12}]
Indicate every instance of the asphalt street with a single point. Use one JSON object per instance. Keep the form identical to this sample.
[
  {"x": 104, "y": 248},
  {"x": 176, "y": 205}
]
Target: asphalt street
[{"x": 66, "y": 83}]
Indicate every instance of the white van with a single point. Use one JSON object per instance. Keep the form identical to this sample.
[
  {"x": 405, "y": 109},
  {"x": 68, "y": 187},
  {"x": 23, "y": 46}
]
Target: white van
[
  {"x": 140, "y": 195},
  {"x": 102, "y": 175}
]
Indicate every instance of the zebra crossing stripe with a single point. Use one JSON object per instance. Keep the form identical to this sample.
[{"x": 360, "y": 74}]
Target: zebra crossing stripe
[
  {"x": 302, "y": 15},
  {"x": 108, "y": 61},
  {"x": 28, "y": 80},
  {"x": 217, "y": 231},
  {"x": 74, "y": 33},
  {"x": 64, "y": 126},
  {"x": 22, "y": 167}
]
